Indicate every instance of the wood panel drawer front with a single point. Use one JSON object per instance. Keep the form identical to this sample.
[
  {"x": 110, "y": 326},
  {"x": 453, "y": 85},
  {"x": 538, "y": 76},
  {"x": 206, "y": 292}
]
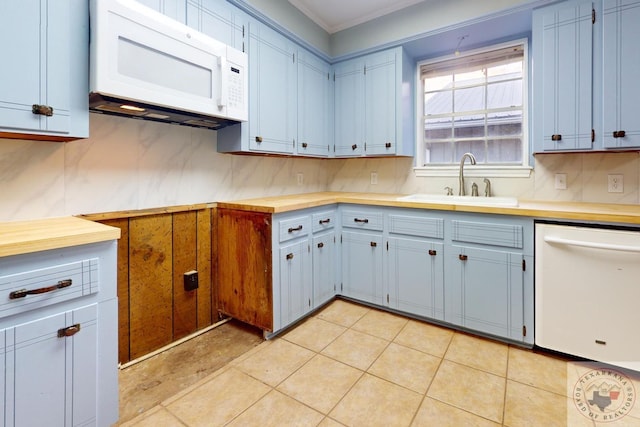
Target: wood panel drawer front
[
  {"x": 363, "y": 219},
  {"x": 33, "y": 289},
  {"x": 413, "y": 225},
  {"x": 323, "y": 221},
  {"x": 506, "y": 235},
  {"x": 295, "y": 227}
]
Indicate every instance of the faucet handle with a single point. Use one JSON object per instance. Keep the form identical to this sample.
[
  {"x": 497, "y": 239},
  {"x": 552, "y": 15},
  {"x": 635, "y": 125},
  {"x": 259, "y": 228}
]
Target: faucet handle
[
  {"x": 449, "y": 191},
  {"x": 487, "y": 187},
  {"x": 474, "y": 189}
]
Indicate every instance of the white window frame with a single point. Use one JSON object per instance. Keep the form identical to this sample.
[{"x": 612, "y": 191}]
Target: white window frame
[{"x": 492, "y": 171}]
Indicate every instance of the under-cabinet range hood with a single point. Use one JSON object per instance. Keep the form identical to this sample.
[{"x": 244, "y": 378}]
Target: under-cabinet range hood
[{"x": 146, "y": 65}]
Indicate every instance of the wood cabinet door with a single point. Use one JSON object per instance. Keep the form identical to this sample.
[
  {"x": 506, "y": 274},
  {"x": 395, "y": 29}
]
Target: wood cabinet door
[
  {"x": 416, "y": 277},
  {"x": 485, "y": 291},
  {"x": 563, "y": 76},
  {"x": 621, "y": 68},
  {"x": 349, "y": 111},
  {"x": 362, "y": 266}
]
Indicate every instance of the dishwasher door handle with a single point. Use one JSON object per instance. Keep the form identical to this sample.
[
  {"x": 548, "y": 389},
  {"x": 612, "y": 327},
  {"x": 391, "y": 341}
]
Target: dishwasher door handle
[{"x": 592, "y": 245}]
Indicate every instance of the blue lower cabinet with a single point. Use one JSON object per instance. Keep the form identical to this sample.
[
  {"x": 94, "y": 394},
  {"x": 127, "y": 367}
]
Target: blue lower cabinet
[
  {"x": 362, "y": 266},
  {"x": 295, "y": 282},
  {"x": 323, "y": 250}
]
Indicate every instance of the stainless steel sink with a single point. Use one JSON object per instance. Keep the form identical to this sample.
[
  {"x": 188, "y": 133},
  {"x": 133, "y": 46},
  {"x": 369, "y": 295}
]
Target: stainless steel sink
[{"x": 460, "y": 200}]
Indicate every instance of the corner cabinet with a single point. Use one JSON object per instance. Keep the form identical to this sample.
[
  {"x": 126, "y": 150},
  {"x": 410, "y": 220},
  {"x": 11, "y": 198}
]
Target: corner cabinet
[
  {"x": 268, "y": 274},
  {"x": 58, "y": 337},
  {"x": 373, "y": 113},
  {"x": 45, "y": 70}
]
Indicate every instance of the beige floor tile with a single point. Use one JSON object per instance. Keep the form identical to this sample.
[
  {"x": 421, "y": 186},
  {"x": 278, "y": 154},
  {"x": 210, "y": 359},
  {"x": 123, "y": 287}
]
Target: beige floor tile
[
  {"x": 275, "y": 362},
  {"x": 314, "y": 334},
  {"x": 425, "y": 337},
  {"x": 475, "y": 391},
  {"x": 406, "y": 367},
  {"x": 219, "y": 400},
  {"x": 376, "y": 402},
  {"x": 157, "y": 416},
  {"x": 478, "y": 353},
  {"x": 531, "y": 406},
  {"x": 538, "y": 370},
  {"x": 435, "y": 413},
  {"x": 356, "y": 349},
  {"x": 343, "y": 313},
  {"x": 321, "y": 383},
  {"x": 380, "y": 324},
  {"x": 278, "y": 410}
]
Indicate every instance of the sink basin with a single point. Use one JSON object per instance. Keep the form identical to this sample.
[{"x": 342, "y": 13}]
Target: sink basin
[{"x": 460, "y": 200}]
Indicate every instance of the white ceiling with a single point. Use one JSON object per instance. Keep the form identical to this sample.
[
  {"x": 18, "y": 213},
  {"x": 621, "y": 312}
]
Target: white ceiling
[{"x": 336, "y": 15}]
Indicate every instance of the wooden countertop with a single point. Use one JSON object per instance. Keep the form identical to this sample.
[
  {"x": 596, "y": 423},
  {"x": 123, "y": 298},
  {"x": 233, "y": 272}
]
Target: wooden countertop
[
  {"x": 597, "y": 212},
  {"x": 21, "y": 237}
]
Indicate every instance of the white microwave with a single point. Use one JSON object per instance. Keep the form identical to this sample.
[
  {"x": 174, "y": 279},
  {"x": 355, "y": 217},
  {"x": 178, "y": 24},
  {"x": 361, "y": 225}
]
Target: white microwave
[{"x": 146, "y": 65}]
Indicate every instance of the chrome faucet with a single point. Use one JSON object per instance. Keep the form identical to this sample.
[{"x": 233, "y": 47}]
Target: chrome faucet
[{"x": 461, "y": 175}]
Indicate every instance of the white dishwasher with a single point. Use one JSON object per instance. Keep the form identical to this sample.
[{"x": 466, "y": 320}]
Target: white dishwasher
[{"x": 587, "y": 292}]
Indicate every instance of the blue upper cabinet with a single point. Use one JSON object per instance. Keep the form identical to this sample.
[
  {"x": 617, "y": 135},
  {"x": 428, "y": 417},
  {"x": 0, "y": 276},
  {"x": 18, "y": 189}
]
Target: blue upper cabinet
[
  {"x": 621, "y": 70},
  {"x": 217, "y": 19},
  {"x": 373, "y": 116},
  {"x": 562, "y": 86},
  {"x": 45, "y": 69},
  {"x": 174, "y": 9},
  {"x": 314, "y": 106}
]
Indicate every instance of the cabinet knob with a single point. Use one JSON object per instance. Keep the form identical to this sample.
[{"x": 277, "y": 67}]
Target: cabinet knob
[
  {"x": 462, "y": 257},
  {"x": 289, "y": 256},
  {"x": 619, "y": 134},
  {"x": 354, "y": 147},
  {"x": 258, "y": 139},
  {"x": 374, "y": 244},
  {"x": 69, "y": 331},
  {"x": 43, "y": 110},
  {"x": 556, "y": 137},
  {"x": 304, "y": 145},
  {"x": 321, "y": 245},
  {"x": 298, "y": 228},
  {"x": 387, "y": 145},
  {"x": 432, "y": 252},
  {"x": 364, "y": 221}
]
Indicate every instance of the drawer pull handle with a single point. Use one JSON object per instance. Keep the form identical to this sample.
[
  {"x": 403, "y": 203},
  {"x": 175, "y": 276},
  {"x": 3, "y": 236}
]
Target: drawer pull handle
[
  {"x": 374, "y": 244},
  {"x": 321, "y": 245},
  {"x": 364, "y": 221},
  {"x": 601, "y": 342},
  {"x": 23, "y": 292},
  {"x": 387, "y": 145},
  {"x": 298, "y": 228},
  {"x": 69, "y": 331},
  {"x": 42, "y": 110},
  {"x": 432, "y": 252},
  {"x": 556, "y": 137},
  {"x": 354, "y": 147},
  {"x": 325, "y": 221},
  {"x": 462, "y": 257},
  {"x": 619, "y": 134},
  {"x": 289, "y": 256}
]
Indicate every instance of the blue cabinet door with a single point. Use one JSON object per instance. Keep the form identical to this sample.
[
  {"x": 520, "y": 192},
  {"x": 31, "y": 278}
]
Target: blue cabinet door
[
  {"x": 324, "y": 261},
  {"x": 295, "y": 285},
  {"x": 485, "y": 291},
  {"x": 217, "y": 19},
  {"x": 415, "y": 276},
  {"x": 45, "y": 63},
  {"x": 315, "y": 135},
  {"x": 562, "y": 95},
  {"x": 621, "y": 70},
  {"x": 362, "y": 266},
  {"x": 175, "y": 9},
  {"x": 349, "y": 111},
  {"x": 272, "y": 91},
  {"x": 380, "y": 100}
]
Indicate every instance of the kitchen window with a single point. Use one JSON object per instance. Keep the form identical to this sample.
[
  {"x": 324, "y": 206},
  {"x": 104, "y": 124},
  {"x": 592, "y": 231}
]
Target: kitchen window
[{"x": 475, "y": 102}]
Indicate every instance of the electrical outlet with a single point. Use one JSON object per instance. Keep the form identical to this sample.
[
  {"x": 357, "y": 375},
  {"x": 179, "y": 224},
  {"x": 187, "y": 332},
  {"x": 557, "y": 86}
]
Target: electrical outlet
[
  {"x": 615, "y": 183},
  {"x": 561, "y": 181},
  {"x": 374, "y": 178},
  {"x": 300, "y": 178}
]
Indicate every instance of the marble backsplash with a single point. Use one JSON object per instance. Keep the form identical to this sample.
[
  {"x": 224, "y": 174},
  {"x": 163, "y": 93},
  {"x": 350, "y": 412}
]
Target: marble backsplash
[{"x": 130, "y": 164}]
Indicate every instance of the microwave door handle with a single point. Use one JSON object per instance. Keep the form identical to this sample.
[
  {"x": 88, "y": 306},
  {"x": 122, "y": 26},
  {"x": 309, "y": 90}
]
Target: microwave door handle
[{"x": 222, "y": 63}]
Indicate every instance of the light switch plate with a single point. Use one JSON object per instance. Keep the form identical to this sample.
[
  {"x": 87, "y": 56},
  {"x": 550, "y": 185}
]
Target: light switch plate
[
  {"x": 374, "y": 178},
  {"x": 615, "y": 183}
]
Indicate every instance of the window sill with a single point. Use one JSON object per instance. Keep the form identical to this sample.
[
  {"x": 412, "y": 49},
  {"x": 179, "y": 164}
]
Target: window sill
[{"x": 474, "y": 171}]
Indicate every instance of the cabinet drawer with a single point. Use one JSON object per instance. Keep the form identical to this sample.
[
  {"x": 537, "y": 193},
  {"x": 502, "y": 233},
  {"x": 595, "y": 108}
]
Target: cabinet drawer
[
  {"x": 294, "y": 227},
  {"x": 323, "y": 221},
  {"x": 366, "y": 220},
  {"x": 416, "y": 226},
  {"x": 507, "y": 235},
  {"x": 50, "y": 285}
]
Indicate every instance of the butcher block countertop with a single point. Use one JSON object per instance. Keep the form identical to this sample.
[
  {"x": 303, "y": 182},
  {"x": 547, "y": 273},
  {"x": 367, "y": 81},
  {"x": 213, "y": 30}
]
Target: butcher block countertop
[
  {"x": 21, "y": 237},
  {"x": 592, "y": 212}
]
